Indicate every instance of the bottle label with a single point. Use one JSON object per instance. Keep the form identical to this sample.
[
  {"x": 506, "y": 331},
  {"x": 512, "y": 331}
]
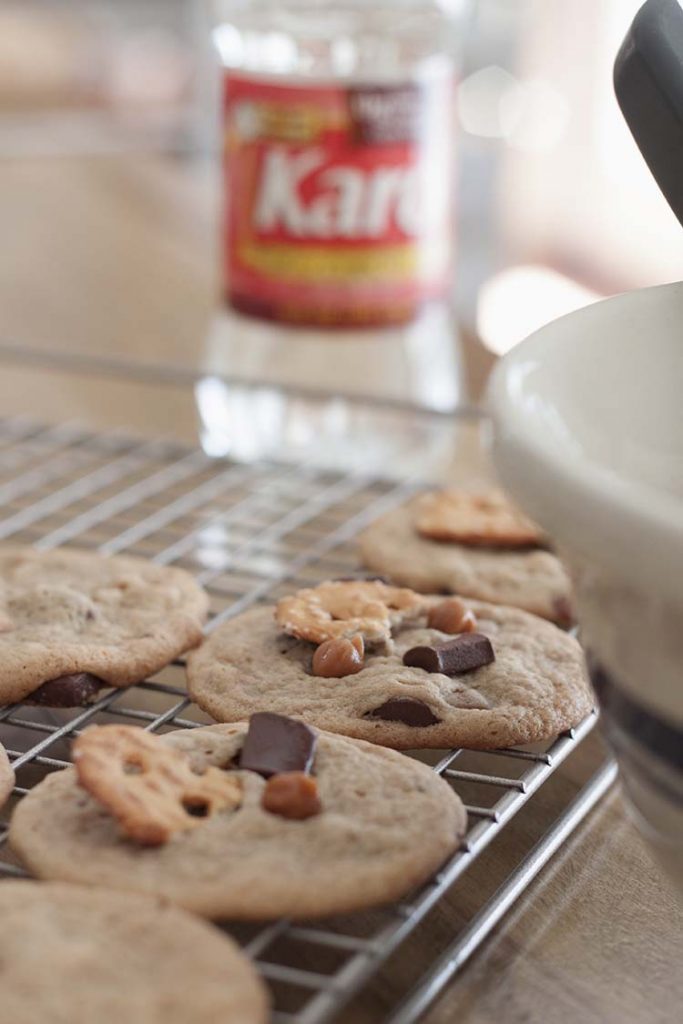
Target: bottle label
[{"x": 338, "y": 199}]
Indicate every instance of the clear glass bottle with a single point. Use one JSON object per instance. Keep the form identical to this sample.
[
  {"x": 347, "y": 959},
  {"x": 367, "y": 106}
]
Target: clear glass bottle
[{"x": 338, "y": 225}]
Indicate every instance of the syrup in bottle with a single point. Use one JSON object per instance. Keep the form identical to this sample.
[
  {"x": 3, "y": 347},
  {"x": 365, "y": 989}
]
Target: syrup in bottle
[{"x": 337, "y": 232}]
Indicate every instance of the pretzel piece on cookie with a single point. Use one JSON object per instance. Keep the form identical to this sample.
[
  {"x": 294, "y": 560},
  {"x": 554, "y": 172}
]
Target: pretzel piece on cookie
[
  {"x": 347, "y": 608},
  {"x": 148, "y": 786},
  {"x": 480, "y": 519}
]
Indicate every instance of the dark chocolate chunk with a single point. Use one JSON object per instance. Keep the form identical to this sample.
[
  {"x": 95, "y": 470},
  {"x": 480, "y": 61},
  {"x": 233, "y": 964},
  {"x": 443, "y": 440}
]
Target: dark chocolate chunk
[
  {"x": 275, "y": 743},
  {"x": 406, "y": 710},
  {"x": 464, "y": 653},
  {"x": 70, "y": 691}
]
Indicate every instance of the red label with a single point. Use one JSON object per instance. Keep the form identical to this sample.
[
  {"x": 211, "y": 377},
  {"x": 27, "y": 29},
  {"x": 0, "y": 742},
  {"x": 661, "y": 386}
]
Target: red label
[{"x": 338, "y": 200}]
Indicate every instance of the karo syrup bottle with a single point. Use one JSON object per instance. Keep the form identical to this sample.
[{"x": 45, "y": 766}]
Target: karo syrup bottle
[{"x": 338, "y": 222}]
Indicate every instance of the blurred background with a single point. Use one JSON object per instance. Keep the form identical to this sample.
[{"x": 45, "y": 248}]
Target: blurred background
[{"x": 109, "y": 184}]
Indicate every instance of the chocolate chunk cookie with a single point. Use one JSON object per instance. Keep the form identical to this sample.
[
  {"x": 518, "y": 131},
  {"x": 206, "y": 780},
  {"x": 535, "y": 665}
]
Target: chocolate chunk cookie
[
  {"x": 361, "y": 825},
  {"x": 69, "y": 953},
  {"x": 515, "y": 679},
  {"x": 6, "y": 776},
  {"x": 413, "y": 546},
  {"x": 72, "y": 622}
]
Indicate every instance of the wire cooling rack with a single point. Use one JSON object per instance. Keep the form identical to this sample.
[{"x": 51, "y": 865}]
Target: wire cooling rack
[{"x": 251, "y": 533}]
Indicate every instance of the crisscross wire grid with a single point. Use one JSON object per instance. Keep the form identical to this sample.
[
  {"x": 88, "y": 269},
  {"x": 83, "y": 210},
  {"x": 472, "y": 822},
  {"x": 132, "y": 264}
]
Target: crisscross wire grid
[{"x": 249, "y": 533}]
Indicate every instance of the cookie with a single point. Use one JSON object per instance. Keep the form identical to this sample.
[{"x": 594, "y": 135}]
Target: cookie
[
  {"x": 6, "y": 776},
  {"x": 528, "y": 578},
  {"x": 385, "y": 823},
  {"x": 72, "y": 622},
  {"x": 71, "y": 954},
  {"x": 535, "y": 688}
]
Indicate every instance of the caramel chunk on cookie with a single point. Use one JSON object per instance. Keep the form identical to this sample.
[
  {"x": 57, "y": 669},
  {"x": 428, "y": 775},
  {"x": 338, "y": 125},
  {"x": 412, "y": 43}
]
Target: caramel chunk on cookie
[
  {"x": 451, "y": 616},
  {"x": 345, "y": 608},
  {"x": 149, "y": 787},
  {"x": 481, "y": 519},
  {"x": 340, "y": 657},
  {"x": 292, "y": 795}
]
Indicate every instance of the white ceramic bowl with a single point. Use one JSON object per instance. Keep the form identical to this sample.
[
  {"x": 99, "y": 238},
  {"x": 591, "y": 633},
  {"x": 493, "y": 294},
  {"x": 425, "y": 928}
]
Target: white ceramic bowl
[{"x": 588, "y": 417}]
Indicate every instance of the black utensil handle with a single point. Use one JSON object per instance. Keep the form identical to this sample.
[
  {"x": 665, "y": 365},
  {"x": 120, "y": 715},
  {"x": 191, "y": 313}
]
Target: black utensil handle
[{"x": 648, "y": 81}]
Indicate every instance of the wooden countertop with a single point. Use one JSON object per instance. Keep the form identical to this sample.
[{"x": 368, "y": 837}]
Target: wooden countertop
[{"x": 109, "y": 258}]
